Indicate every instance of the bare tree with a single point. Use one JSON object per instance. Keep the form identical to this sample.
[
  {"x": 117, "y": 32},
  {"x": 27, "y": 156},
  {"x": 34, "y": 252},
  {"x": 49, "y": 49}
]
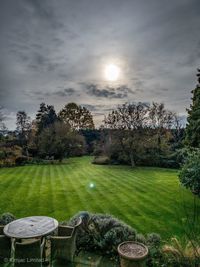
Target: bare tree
[
  {"x": 161, "y": 120},
  {"x": 129, "y": 120},
  {"x": 23, "y": 128}
]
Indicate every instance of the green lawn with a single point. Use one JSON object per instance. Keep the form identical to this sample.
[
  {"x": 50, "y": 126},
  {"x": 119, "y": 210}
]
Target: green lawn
[{"x": 149, "y": 199}]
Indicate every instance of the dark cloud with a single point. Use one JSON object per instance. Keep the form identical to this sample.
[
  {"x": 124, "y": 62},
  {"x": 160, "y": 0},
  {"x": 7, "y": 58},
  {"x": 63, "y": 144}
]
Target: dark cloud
[
  {"x": 108, "y": 91},
  {"x": 41, "y": 95},
  {"x": 65, "y": 92}
]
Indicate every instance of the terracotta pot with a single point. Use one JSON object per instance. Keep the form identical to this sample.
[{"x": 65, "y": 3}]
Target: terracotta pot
[{"x": 130, "y": 259}]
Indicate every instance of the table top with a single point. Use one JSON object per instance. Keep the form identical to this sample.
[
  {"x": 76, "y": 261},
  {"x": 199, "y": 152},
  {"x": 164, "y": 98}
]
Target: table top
[{"x": 31, "y": 227}]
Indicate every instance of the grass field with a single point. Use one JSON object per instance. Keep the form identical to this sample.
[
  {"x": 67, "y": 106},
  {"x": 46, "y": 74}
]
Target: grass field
[{"x": 149, "y": 199}]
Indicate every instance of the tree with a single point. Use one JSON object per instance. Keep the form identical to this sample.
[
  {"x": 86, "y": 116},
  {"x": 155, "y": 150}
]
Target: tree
[
  {"x": 58, "y": 141},
  {"x": 23, "y": 128},
  {"x": 77, "y": 117},
  {"x": 161, "y": 120},
  {"x": 193, "y": 121},
  {"x": 130, "y": 121},
  {"x": 178, "y": 132},
  {"x": 45, "y": 116},
  {"x": 190, "y": 172},
  {"x": 141, "y": 133}
]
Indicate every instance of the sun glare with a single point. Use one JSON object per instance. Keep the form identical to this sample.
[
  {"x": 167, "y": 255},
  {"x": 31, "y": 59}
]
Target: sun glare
[{"x": 112, "y": 72}]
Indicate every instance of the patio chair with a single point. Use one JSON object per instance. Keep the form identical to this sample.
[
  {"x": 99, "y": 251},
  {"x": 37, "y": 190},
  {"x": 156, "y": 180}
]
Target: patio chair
[
  {"x": 28, "y": 253},
  {"x": 5, "y": 248},
  {"x": 63, "y": 246}
]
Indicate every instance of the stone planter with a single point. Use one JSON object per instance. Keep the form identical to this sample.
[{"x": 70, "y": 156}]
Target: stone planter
[{"x": 132, "y": 254}]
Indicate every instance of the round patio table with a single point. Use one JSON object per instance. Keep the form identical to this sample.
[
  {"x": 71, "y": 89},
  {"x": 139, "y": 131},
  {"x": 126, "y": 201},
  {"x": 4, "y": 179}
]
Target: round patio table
[{"x": 30, "y": 227}]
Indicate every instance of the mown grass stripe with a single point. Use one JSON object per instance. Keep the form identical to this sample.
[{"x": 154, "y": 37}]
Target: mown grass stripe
[{"x": 149, "y": 199}]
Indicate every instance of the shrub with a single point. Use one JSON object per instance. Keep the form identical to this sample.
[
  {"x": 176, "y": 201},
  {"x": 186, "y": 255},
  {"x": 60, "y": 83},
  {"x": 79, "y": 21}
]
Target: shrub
[
  {"x": 6, "y": 218},
  {"x": 2, "y": 155},
  {"x": 101, "y": 160},
  {"x": 141, "y": 239},
  {"x": 21, "y": 160},
  {"x": 154, "y": 240},
  {"x": 155, "y": 257},
  {"x": 102, "y": 233},
  {"x": 190, "y": 173}
]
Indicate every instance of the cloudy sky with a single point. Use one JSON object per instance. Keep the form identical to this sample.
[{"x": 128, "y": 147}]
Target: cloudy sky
[{"x": 56, "y": 52}]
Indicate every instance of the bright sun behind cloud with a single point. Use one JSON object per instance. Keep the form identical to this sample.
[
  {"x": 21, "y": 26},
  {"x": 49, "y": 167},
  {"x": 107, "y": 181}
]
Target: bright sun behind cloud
[{"x": 112, "y": 72}]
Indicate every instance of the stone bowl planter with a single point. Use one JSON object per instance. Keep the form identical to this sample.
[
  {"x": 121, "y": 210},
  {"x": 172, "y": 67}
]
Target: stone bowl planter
[{"x": 132, "y": 254}]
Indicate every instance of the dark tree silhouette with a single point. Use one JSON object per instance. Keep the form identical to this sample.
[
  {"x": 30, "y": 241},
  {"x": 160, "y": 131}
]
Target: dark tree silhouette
[
  {"x": 193, "y": 121},
  {"x": 45, "y": 116},
  {"x": 23, "y": 129}
]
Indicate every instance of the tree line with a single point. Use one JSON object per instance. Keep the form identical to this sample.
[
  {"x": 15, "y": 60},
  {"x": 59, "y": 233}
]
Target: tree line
[
  {"x": 49, "y": 136},
  {"x": 142, "y": 134},
  {"x": 133, "y": 133}
]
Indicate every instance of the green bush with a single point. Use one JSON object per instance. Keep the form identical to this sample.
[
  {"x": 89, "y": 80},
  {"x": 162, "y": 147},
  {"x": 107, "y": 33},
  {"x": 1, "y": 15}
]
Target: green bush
[
  {"x": 154, "y": 159},
  {"x": 153, "y": 240},
  {"x": 21, "y": 160},
  {"x": 155, "y": 257},
  {"x": 102, "y": 160},
  {"x": 141, "y": 239},
  {"x": 2, "y": 154},
  {"x": 102, "y": 233},
  {"x": 6, "y": 218},
  {"x": 190, "y": 173}
]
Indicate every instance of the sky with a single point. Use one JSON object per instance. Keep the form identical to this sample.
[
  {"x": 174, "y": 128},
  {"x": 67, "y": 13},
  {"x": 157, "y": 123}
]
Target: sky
[{"x": 56, "y": 52}]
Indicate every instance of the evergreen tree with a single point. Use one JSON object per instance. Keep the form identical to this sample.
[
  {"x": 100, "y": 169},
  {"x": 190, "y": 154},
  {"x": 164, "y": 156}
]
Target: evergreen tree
[
  {"x": 193, "y": 125},
  {"x": 45, "y": 117}
]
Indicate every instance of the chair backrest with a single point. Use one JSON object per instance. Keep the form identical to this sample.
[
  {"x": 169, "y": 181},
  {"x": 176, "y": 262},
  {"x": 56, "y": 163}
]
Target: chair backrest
[
  {"x": 65, "y": 230},
  {"x": 5, "y": 248},
  {"x": 64, "y": 246},
  {"x": 77, "y": 226},
  {"x": 28, "y": 254},
  {"x": 79, "y": 222},
  {"x": 69, "y": 231}
]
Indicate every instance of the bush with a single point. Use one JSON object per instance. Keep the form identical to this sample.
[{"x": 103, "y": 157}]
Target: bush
[
  {"x": 6, "y": 218},
  {"x": 155, "y": 257},
  {"x": 21, "y": 160},
  {"x": 141, "y": 239},
  {"x": 102, "y": 233},
  {"x": 2, "y": 154},
  {"x": 154, "y": 240},
  {"x": 102, "y": 160},
  {"x": 154, "y": 159},
  {"x": 190, "y": 173}
]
